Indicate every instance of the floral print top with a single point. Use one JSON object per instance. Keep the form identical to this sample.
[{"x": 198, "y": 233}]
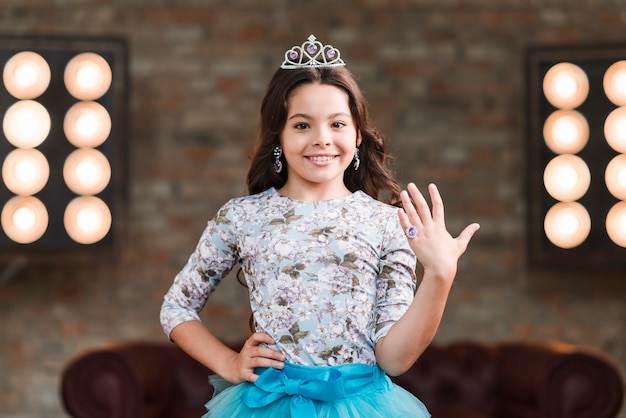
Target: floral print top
[{"x": 326, "y": 279}]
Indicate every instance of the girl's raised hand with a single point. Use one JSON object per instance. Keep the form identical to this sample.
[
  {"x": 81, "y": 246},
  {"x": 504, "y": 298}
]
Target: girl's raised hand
[
  {"x": 435, "y": 248},
  {"x": 253, "y": 355}
]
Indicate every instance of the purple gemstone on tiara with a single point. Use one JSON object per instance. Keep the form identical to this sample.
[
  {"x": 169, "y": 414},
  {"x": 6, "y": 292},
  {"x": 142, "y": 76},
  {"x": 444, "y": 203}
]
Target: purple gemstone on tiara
[
  {"x": 331, "y": 54},
  {"x": 293, "y": 55},
  {"x": 311, "y": 49}
]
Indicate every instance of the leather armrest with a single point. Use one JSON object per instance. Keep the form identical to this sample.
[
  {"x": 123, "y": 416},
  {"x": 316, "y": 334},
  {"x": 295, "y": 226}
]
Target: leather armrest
[
  {"x": 559, "y": 379},
  {"x": 122, "y": 380},
  {"x": 454, "y": 380}
]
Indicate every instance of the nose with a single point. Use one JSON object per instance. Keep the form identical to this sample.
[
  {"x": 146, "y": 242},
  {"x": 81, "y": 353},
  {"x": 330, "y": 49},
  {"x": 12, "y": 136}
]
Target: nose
[{"x": 323, "y": 137}]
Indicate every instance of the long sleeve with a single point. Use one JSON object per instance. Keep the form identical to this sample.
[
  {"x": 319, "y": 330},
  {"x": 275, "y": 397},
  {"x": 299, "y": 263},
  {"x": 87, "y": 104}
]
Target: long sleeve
[
  {"x": 396, "y": 284},
  {"x": 211, "y": 261}
]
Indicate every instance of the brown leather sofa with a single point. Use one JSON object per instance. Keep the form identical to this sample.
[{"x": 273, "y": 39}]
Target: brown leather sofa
[{"x": 460, "y": 380}]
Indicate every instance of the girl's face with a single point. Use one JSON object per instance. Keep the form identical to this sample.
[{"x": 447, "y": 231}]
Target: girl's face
[{"x": 319, "y": 141}]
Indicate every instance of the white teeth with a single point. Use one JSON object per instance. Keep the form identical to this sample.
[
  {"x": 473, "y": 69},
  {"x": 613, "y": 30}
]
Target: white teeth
[{"x": 321, "y": 159}]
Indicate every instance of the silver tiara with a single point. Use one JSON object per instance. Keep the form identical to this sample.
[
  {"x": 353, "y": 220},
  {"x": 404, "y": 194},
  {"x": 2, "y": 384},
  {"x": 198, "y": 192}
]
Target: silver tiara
[{"x": 312, "y": 53}]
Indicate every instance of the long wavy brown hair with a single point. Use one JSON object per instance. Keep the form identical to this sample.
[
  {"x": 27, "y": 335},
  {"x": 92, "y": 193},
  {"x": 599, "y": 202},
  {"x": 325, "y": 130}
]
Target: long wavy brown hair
[{"x": 373, "y": 177}]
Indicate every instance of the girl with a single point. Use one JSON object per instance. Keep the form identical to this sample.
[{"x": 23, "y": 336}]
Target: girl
[{"x": 329, "y": 268}]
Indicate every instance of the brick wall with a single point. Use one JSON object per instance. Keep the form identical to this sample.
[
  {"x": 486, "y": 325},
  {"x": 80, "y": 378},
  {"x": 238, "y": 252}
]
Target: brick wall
[{"x": 444, "y": 80}]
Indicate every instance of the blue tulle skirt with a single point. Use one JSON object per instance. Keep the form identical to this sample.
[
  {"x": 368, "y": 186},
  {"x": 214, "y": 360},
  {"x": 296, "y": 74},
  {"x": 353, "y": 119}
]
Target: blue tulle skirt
[{"x": 345, "y": 391}]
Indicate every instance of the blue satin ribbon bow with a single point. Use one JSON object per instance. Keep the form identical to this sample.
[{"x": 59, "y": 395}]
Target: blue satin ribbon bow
[{"x": 305, "y": 384}]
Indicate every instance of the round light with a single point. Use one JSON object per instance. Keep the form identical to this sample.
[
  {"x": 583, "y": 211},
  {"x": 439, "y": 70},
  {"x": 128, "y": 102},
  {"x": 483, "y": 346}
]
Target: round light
[
  {"x": 26, "y": 75},
  {"x": 87, "y": 76},
  {"x": 615, "y": 83},
  {"x": 567, "y": 224},
  {"x": 86, "y": 171},
  {"x": 615, "y": 129},
  {"x": 566, "y": 85},
  {"x": 87, "y": 124},
  {"x": 616, "y": 224},
  {"x": 24, "y": 219},
  {"x": 87, "y": 219},
  {"x": 566, "y": 132},
  {"x": 567, "y": 178},
  {"x": 25, "y": 171},
  {"x": 615, "y": 176},
  {"x": 26, "y": 124}
]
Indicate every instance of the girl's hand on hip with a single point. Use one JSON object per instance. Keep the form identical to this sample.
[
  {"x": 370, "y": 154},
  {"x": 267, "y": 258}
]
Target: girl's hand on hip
[
  {"x": 435, "y": 248},
  {"x": 253, "y": 355}
]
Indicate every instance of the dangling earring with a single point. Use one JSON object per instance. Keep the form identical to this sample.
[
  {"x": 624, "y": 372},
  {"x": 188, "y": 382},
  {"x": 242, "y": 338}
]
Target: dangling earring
[
  {"x": 278, "y": 165},
  {"x": 357, "y": 159}
]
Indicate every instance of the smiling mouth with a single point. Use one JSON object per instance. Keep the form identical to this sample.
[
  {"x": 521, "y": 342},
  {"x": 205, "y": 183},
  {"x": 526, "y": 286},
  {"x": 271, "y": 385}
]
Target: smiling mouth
[{"x": 322, "y": 159}]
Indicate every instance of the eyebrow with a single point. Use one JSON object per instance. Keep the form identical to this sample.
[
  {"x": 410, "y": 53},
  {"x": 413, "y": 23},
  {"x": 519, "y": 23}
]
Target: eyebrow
[{"x": 308, "y": 117}]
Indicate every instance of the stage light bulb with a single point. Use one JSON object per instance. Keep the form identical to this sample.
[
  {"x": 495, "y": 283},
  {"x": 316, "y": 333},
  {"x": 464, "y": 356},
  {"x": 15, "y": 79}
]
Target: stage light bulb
[
  {"x": 616, "y": 224},
  {"x": 567, "y": 178},
  {"x": 566, "y": 85},
  {"x": 86, "y": 171},
  {"x": 87, "y": 124},
  {"x": 615, "y": 176},
  {"x": 614, "y": 83},
  {"x": 88, "y": 76},
  {"x": 87, "y": 219},
  {"x": 25, "y": 171},
  {"x": 24, "y": 219},
  {"x": 615, "y": 129},
  {"x": 26, "y": 75},
  {"x": 566, "y": 132},
  {"x": 26, "y": 124},
  {"x": 567, "y": 224}
]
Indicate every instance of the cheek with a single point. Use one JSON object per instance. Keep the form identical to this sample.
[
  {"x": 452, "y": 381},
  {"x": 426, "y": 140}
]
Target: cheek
[{"x": 289, "y": 146}]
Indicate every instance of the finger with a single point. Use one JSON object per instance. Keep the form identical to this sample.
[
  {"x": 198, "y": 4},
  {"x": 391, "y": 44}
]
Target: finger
[
  {"x": 256, "y": 351},
  {"x": 437, "y": 202},
  {"x": 404, "y": 218},
  {"x": 269, "y": 353},
  {"x": 272, "y": 358},
  {"x": 408, "y": 215},
  {"x": 466, "y": 235},
  {"x": 262, "y": 363},
  {"x": 260, "y": 338},
  {"x": 421, "y": 205}
]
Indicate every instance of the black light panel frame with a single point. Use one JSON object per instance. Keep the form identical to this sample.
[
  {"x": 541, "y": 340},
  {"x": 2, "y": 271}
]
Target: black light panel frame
[
  {"x": 56, "y": 244},
  {"x": 598, "y": 250}
]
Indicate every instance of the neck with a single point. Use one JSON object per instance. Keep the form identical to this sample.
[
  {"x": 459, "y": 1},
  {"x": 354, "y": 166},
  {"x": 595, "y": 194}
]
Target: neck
[{"x": 313, "y": 194}]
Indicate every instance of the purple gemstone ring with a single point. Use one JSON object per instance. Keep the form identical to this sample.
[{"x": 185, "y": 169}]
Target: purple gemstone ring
[{"x": 411, "y": 232}]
